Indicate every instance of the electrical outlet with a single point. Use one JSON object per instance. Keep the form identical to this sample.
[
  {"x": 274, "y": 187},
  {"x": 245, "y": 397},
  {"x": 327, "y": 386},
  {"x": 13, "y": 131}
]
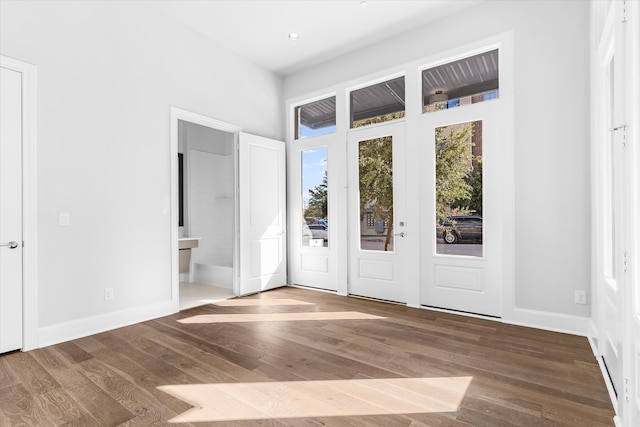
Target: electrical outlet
[
  {"x": 580, "y": 297},
  {"x": 108, "y": 294}
]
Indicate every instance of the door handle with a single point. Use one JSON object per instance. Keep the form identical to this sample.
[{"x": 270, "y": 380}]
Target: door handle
[
  {"x": 10, "y": 245},
  {"x": 402, "y": 234}
]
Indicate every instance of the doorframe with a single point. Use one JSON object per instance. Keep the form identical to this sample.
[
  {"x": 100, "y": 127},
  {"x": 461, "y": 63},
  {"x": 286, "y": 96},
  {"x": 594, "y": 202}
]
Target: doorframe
[
  {"x": 29, "y": 201},
  {"x": 210, "y": 122}
]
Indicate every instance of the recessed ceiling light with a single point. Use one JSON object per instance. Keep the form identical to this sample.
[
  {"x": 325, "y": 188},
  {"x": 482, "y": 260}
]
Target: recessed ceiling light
[
  {"x": 364, "y": 3},
  {"x": 294, "y": 36}
]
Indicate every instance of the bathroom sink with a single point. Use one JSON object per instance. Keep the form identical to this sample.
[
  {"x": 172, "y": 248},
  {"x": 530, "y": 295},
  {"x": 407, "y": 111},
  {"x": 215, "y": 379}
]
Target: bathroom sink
[{"x": 188, "y": 242}]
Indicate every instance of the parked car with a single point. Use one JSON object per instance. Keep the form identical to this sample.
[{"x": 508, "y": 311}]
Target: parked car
[
  {"x": 324, "y": 222},
  {"x": 461, "y": 228},
  {"x": 319, "y": 230}
]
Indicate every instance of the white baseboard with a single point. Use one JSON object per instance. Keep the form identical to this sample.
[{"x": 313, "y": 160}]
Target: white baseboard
[
  {"x": 556, "y": 322},
  {"x": 81, "y": 328}
]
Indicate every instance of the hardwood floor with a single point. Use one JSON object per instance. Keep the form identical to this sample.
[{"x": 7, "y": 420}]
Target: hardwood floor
[{"x": 485, "y": 372}]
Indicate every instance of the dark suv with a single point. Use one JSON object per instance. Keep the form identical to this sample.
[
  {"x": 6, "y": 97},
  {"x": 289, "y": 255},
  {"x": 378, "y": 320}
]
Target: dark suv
[{"x": 461, "y": 228}]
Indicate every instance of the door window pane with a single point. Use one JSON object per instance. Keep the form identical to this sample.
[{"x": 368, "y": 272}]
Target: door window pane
[
  {"x": 611, "y": 187},
  {"x": 315, "y": 198},
  {"x": 459, "y": 228},
  {"x": 375, "y": 172},
  {"x": 462, "y": 82},
  {"x": 315, "y": 118},
  {"x": 378, "y": 103}
]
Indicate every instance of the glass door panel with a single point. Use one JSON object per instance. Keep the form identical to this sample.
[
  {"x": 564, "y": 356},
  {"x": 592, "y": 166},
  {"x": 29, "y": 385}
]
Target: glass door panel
[
  {"x": 315, "y": 197},
  {"x": 458, "y": 189},
  {"x": 376, "y": 211},
  {"x": 375, "y": 173},
  {"x": 464, "y": 192}
]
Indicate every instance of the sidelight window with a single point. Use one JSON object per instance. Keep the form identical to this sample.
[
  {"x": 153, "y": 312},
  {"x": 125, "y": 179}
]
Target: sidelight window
[{"x": 315, "y": 198}]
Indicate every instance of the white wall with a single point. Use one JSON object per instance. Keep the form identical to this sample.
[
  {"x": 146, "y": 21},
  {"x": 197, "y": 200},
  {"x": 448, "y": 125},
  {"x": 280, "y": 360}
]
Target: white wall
[
  {"x": 107, "y": 76},
  {"x": 210, "y": 168},
  {"x": 552, "y": 216}
]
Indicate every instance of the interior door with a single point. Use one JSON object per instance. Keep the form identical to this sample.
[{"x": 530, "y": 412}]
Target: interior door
[
  {"x": 461, "y": 207},
  {"x": 376, "y": 211},
  {"x": 262, "y": 214},
  {"x": 10, "y": 210},
  {"x": 611, "y": 164}
]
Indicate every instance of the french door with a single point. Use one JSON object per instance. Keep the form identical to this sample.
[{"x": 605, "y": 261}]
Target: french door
[
  {"x": 377, "y": 212},
  {"x": 461, "y": 209}
]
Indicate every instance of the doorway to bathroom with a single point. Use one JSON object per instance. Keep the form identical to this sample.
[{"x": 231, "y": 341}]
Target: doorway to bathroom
[
  {"x": 228, "y": 209},
  {"x": 207, "y": 214}
]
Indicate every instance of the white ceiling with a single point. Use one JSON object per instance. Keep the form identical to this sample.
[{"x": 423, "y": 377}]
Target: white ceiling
[{"x": 258, "y": 29}]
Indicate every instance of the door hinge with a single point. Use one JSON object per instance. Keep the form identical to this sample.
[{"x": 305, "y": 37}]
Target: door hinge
[
  {"x": 624, "y": 262},
  {"x": 623, "y": 128},
  {"x": 626, "y": 390},
  {"x": 624, "y": 12}
]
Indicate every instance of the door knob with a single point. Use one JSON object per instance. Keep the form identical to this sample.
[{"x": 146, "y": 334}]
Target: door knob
[
  {"x": 400, "y": 234},
  {"x": 10, "y": 245}
]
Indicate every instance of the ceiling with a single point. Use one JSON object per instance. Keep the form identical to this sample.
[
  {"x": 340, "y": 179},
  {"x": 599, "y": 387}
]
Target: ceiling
[{"x": 258, "y": 29}]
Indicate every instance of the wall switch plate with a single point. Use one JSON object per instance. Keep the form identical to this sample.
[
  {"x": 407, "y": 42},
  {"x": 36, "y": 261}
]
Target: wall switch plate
[
  {"x": 108, "y": 294},
  {"x": 63, "y": 218},
  {"x": 580, "y": 297}
]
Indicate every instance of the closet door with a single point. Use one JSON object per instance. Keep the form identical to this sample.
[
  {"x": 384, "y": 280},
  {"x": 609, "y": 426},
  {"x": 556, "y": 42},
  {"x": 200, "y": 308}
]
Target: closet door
[
  {"x": 10, "y": 211},
  {"x": 262, "y": 203}
]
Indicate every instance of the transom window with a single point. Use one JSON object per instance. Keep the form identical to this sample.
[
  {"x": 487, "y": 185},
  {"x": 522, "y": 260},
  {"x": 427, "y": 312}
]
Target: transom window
[
  {"x": 378, "y": 103},
  {"x": 463, "y": 82},
  {"x": 315, "y": 118}
]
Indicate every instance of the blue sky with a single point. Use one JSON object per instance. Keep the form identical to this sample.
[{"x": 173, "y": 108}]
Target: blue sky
[{"x": 314, "y": 165}]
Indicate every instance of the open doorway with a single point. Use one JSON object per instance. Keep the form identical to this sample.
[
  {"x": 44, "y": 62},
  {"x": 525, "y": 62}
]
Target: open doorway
[{"x": 207, "y": 216}]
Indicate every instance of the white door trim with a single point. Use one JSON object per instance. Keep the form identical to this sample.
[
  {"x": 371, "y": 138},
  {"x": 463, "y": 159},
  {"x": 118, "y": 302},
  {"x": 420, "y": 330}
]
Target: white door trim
[
  {"x": 29, "y": 201},
  {"x": 191, "y": 117}
]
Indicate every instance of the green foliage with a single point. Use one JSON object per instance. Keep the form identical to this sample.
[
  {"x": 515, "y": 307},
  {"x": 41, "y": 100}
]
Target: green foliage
[
  {"x": 453, "y": 167},
  {"x": 318, "y": 200},
  {"x": 474, "y": 180},
  {"x": 378, "y": 119},
  {"x": 376, "y": 181}
]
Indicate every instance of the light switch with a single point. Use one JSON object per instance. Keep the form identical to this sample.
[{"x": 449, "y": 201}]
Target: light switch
[{"x": 63, "y": 218}]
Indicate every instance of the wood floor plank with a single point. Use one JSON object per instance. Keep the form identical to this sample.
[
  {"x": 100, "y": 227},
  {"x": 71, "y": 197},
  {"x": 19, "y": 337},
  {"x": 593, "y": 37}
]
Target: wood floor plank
[{"x": 519, "y": 376}]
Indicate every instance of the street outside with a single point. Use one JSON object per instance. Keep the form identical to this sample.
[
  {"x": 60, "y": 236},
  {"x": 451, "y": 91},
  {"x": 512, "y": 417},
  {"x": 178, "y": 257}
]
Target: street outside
[{"x": 374, "y": 243}]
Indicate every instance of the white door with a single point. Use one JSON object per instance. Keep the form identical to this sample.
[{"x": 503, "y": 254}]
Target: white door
[
  {"x": 262, "y": 204},
  {"x": 461, "y": 230},
  {"x": 313, "y": 206},
  {"x": 10, "y": 210},
  {"x": 633, "y": 197},
  {"x": 376, "y": 212},
  {"x": 611, "y": 163}
]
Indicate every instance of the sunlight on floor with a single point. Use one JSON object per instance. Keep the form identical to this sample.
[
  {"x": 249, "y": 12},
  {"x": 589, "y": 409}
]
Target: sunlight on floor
[
  {"x": 278, "y": 317},
  {"x": 299, "y": 399},
  {"x": 194, "y": 294},
  {"x": 237, "y": 302}
]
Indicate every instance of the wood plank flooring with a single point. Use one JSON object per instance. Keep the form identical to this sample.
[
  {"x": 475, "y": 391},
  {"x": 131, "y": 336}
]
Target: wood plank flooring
[{"x": 500, "y": 375}]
